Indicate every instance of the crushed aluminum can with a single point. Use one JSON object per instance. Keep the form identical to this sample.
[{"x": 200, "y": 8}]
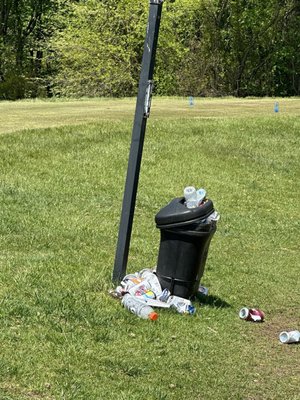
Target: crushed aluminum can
[
  {"x": 215, "y": 216},
  {"x": 182, "y": 308},
  {"x": 117, "y": 293},
  {"x": 150, "y": 277},
  {"x": 164, "y": 295},
  {"x": 251, "y": 314},
  {"x": 289, "y": 337},
  {"x": 203, "y": 290},
  {"x": 181, "y": 305}
]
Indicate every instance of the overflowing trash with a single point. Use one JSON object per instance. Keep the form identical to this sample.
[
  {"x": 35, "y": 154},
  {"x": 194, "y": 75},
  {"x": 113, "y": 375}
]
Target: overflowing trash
[
  {"x": 289, "y": 337},
  {"x": 169, "y": 285},
  {"x": 194, "y": 198},
  {"x": 141, "y": 292},
  {"x": 187, "y": 225},
  {"x": 251, "y": 314}
]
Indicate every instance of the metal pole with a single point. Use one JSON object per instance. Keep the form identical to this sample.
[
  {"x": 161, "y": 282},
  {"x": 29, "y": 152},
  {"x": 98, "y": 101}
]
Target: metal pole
[{"x": 142, "y": 112}]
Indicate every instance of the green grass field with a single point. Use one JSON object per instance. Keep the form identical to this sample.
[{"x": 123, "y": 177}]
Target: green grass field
[{"x": 63, "y": 166}]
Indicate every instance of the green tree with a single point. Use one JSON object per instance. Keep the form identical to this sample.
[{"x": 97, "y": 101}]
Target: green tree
[
  {"x": 245, "y": 48},
  {"x": 94, "y": 47},
  {"x": 99, "y": 49},
  {"x": 202, "y": 70},
  {"x": 23, "y": 34},
  {"x": 286, "y": 59}
]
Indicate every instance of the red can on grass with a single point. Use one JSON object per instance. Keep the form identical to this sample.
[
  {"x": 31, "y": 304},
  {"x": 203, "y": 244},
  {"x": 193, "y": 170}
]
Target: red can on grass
[{"x": 251, "y": 314}]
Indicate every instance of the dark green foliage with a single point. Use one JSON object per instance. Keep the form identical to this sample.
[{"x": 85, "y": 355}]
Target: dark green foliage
[
  {"x": 25, "y": 29},
  {"x": 94, "y": 48}
]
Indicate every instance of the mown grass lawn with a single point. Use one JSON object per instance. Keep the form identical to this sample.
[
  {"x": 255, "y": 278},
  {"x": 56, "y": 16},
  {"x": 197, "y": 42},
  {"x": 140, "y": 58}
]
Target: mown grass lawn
[{"x": 62, "y": 336}]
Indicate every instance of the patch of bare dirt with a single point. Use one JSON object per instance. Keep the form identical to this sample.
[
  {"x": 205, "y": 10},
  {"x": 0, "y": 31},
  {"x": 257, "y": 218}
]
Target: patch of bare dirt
[
  {"x": 15, "y": 389},
  {"x": 282, "y": 320}
]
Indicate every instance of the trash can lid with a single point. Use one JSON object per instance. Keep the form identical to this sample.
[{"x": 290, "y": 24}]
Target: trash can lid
[{"x": 176, "y": 212}]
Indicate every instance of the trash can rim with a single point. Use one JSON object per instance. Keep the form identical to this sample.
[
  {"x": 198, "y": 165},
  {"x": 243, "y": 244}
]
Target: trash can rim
[{"x": 175, "y": 213}]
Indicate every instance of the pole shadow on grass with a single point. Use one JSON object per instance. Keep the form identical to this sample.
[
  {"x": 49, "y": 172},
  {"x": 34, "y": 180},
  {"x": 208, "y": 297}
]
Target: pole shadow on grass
[{"x": 213, "y": 301}]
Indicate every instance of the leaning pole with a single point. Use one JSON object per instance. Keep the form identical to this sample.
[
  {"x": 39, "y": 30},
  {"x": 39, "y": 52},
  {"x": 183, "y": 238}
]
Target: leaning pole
[{"x": 142, "y": 112}]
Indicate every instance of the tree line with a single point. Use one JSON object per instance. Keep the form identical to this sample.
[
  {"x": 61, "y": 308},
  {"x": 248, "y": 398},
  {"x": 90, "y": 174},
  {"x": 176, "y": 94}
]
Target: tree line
[{"x": 92, "y": 48}]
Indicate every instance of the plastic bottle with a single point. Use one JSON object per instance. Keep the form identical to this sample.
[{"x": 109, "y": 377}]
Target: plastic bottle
[
  {"x": 191, "y": 101},
  {"x": 189, "y": 192},
  {"x": 276, "y": 107},
  {"x": 201, "y": 194},
  {"x": 190, "y": 196},
  {"x": 138, "y": 307}
]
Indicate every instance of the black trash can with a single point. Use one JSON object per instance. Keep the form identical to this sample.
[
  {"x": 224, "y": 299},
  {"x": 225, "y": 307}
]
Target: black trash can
[{"x": 185, "y": 239}]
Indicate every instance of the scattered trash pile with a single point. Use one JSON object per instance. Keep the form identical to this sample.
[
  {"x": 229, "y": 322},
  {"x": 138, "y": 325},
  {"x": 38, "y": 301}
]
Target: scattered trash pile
[
  {"x": 141, "y": 292},
  {"x": 255, "y": 315},
  {"x": 144, "y": 291}
]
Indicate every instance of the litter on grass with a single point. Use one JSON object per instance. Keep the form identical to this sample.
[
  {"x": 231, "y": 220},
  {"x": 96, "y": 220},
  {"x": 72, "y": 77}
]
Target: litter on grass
[
  {"x": 143, "y": 288},
  {"x": 251, "y": 314},
  {"x": 203, "y": 290},
  {"x": 289, "y": 337}
]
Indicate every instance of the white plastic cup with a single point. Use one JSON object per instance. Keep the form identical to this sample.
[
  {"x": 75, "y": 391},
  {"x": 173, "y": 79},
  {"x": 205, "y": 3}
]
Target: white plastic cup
[{"x": 289, "y": 337}]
